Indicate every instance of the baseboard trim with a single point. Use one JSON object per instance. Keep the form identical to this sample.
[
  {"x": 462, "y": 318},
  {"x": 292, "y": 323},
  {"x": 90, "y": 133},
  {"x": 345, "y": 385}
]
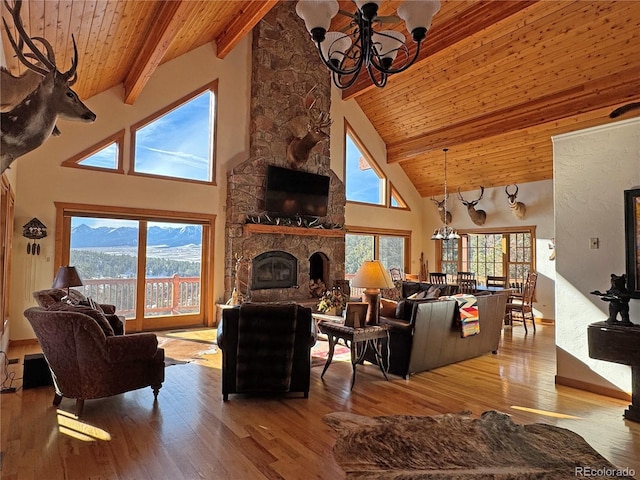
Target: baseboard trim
[
  {"x": 591, "y": 387},
  {"x": 545, "y": 321}
]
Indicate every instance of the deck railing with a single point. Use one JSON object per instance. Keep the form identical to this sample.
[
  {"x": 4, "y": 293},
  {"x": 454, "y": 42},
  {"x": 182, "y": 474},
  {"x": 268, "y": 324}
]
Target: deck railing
[{"x": 173, "y": 295}]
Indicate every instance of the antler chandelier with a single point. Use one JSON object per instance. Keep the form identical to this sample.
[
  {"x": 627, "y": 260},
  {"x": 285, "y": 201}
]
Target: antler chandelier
[
  {"x": 445, "y": 232},
  {"x": 345, "y": 54}
]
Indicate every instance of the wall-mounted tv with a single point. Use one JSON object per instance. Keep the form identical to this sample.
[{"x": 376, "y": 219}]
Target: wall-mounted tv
[{"x": 293, "y": 192}]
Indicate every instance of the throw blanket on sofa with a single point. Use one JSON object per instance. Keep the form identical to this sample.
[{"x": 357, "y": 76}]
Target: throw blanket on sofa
[{"x": 469, "y": 321}]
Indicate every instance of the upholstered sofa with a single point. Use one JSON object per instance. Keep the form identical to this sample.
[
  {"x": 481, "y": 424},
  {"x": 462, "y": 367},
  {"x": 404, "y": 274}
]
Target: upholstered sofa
[
  {"x": 51, "y": 297},
  {"x": 425, "y": 333},
  {"x": 87, "y": 362},
  {"x": 266, "y": 348}
]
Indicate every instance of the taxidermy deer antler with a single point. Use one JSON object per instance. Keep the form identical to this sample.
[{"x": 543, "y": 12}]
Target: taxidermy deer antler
[
  {"x": 30, "y": 123},
  {"x": 440, "y": 205},
  {"x": 477, "y": 216},
  {"x": 299, "y": 148},
  {"x": 518, "y": 209}
]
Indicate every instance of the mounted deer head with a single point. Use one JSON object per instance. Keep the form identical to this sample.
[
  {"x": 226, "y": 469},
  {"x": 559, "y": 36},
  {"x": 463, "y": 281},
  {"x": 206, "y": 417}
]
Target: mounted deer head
[
  {"x": 29, "y": 124},
  {"x": 477, "y": 216},
  {"x": 299, "y": 148},
  {"x": 440, "y": 205},
  {"x": 518, "y": 209}
]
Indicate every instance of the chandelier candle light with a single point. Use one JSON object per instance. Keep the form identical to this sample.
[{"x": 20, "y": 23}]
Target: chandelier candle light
[
  {"x": 345, "y": 54},
  {"x": 445, "y": 232}
]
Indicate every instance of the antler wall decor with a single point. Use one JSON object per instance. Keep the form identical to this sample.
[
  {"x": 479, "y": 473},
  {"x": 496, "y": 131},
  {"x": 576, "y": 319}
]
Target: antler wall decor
[
  {"x": 477, "y": 216},
  {"x": 518, "y": 209},
  {"x": 317, "y": 120},
  {"x": 30, "y": 123},
  {"x": 445, "y": 217}
]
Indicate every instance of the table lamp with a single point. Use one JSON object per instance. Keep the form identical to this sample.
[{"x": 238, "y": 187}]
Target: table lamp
[
  {"x": 372, "y": 276},
  {"x": 67, "y": 277}
]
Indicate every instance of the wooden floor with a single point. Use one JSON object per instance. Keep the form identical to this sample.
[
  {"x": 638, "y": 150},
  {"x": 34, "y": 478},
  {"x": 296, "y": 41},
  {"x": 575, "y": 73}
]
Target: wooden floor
[{"x": 192, "y": 434}]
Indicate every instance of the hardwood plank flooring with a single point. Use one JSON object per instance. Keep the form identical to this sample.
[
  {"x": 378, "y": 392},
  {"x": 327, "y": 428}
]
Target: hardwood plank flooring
[{"x": 192, "y": 434}]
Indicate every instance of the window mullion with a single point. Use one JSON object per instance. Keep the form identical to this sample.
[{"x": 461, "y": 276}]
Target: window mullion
[{"x": 141, "y": 278}]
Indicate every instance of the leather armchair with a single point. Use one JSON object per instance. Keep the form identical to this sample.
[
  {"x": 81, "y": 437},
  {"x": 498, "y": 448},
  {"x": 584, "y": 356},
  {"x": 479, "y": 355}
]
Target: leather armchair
[
  {"x": 266, "y": 348},
  {"x": 51, "y": 296},
  {"x": 87, "y": 364}
]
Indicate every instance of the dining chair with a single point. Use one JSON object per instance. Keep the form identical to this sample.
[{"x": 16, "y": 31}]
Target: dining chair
[
  {"x": 395, "y": 273},
  {"x": 437, "y": 278},
  {"x": 519, "y": 310},
  {"x": 466, "y": 276},
  {"x": 496, "y": 281},
  {"x": 467, "y": 286}
]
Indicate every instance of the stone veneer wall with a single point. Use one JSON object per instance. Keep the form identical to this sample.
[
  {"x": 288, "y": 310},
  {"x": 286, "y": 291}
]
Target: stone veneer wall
[{"x": 285, "y": 66}]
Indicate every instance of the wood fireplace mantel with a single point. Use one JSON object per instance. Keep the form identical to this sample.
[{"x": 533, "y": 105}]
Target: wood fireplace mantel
[{"x": 250, "y": 228}]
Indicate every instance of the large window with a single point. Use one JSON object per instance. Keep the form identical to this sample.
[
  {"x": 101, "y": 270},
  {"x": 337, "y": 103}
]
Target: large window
[
  {"x": 509, "y": 253},
  {"x": 364, "y": 180},
  {"x": 178, "y": 142},
  {"x": 153, "y": 266},
  {"x": 391, "y": 247}
]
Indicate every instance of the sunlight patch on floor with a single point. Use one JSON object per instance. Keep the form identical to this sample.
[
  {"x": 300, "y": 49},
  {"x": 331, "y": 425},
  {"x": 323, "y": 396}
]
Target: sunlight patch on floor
[
  {"x": 545, "y": 413},
  {"x": 69, "y": 425}
]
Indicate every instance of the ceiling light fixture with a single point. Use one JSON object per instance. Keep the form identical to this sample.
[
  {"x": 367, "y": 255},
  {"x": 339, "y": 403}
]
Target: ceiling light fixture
[
  {"x": 345, "y": 54},
  {"x": 445, "y": 232}
]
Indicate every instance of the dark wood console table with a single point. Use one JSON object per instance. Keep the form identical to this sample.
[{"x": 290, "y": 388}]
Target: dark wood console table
[{"x": 619, "y": 344}]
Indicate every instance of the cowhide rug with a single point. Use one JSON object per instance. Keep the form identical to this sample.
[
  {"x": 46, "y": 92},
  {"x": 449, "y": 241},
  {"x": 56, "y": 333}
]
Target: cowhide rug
[{"x": 457, "y": 446}]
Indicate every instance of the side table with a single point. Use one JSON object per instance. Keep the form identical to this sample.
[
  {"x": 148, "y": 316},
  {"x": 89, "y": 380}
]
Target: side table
[{"x": 358, "y": 340}]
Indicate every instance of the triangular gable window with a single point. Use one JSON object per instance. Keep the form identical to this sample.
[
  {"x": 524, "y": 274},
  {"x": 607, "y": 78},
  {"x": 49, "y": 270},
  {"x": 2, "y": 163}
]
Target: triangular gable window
[
  {"x": 396, "y": 200},
  {"x": 364, "y": 180},
  {"x": 105, "y": 155}
]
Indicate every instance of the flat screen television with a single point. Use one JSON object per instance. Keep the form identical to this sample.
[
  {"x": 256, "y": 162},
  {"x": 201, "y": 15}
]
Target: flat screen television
[{"x": 293, "y": 192}]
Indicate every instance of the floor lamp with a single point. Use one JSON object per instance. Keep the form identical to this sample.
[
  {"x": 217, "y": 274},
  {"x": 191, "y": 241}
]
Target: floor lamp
[{"x": 372, "y": 276}]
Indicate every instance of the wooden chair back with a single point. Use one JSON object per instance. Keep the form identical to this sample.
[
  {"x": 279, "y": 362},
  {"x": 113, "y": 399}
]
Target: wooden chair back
[
  {"x": 437, "y": 278},
  {"x": 496, "y": 281},
  {"x": 396, "y": 274}
]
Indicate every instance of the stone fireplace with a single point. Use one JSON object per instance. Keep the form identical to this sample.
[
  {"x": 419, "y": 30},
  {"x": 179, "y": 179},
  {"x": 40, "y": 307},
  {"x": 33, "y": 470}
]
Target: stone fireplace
[{"x": 280, "y": 259}]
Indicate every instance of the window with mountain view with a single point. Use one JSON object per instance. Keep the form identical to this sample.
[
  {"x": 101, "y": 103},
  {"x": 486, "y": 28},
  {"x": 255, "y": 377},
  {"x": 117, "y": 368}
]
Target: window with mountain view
[
  {"x": 178, "y": 142},
  {"x": 152, "y": 270}
]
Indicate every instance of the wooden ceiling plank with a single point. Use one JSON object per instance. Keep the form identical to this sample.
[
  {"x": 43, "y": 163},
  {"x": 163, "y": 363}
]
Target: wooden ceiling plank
[
  {"x": 450, "y": 32},
  {"x": 248, "y": 17},
  {"x": 465, "y": 82},
  {"x": 167, "y": 20}
]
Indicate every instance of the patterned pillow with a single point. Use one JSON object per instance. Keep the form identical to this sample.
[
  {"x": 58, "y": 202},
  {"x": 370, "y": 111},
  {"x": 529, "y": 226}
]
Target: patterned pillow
[{"x": 99, "y": 317}]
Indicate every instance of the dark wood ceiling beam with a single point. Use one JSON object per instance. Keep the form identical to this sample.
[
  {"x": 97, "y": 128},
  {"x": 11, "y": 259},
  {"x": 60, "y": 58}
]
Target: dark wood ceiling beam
[
  {"x": 611, "y": 90},
  {"x": 476, "y": 18},
  {"x": 248, "y": 17},
  {"x": 168, "y": 19}
]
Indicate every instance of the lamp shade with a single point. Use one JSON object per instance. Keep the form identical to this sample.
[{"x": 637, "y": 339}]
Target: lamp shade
[
  {"x": 317, "y": 13},
  {"x": 418, "y": 14},
  {"x": 372, "y": 274},
  {"x": 67, "y": 277}
]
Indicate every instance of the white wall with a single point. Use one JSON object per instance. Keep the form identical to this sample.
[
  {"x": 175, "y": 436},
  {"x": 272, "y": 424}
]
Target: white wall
[{"x": 592, "y": 169}]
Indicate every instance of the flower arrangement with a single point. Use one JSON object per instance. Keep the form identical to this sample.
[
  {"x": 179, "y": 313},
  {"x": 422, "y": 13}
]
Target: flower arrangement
[{"x": 332, "y": 299}]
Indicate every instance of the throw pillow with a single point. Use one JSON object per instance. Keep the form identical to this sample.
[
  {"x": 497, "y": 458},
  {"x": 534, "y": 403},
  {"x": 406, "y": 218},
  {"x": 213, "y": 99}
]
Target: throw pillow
[
  {"x": 388, "y": 308},
  {"x": 433, "y": 292},
  {"x": 99, "y": 317},
  {"x": 404, "y": 309}
]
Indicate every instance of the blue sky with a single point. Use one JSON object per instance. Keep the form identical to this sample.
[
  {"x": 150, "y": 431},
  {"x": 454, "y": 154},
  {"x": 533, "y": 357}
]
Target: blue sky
[
  {"x": 179, "y": 143},
  {"x": 362, "y": 185}
]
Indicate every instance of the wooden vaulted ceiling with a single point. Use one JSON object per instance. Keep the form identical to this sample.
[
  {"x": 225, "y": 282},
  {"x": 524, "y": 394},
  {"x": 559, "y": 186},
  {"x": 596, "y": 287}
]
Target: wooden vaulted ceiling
[{"x": 495, "y": 79}]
